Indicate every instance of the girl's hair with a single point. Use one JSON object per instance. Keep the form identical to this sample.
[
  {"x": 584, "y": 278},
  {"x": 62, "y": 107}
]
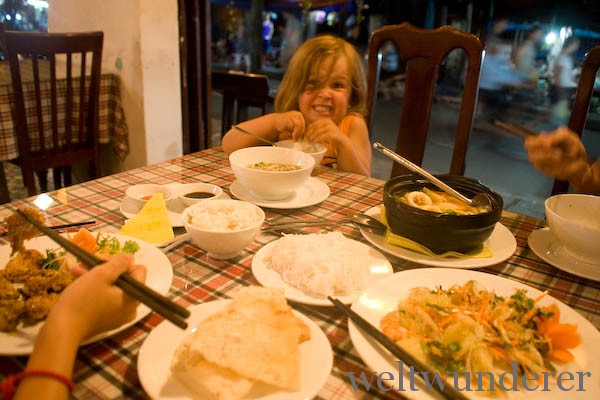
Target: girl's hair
[{"x": 306, "y": 63}]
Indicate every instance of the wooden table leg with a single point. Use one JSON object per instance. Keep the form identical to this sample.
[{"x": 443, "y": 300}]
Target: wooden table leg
[{"x": 4, "y": 195}]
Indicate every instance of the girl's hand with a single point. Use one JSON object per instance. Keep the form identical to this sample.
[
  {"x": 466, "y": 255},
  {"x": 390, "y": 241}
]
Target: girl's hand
[
  {"x": 289, "y": 125},
  {"x": 323, "y": 130},
  {"x": 93, "y": 304},
  {"x": 560, "y": 154}
]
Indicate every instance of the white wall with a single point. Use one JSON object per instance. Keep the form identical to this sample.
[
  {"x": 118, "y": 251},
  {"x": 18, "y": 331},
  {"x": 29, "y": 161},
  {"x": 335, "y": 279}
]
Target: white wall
[{"x": 141, "y": 45}]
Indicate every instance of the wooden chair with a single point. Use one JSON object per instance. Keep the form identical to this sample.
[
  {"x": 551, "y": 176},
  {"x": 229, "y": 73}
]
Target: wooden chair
[
  {"x": 581, "y": 105},
  {"x": 423, "y": 51},
  {"x": 240, "y": 91},
  {"x": 56, "y": 115}
]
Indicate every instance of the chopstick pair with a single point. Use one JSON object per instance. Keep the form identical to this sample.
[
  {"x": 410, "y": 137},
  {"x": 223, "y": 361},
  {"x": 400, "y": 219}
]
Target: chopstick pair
[
  {"x": 4, "y": 231},
  {"x": 156, "y": 301},
  {"x": 447, "y": 391},
  {"x": 518, "y": 130}
]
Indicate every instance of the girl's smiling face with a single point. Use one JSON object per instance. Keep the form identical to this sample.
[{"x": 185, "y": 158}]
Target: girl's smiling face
[{"x": 327, "y": 95}]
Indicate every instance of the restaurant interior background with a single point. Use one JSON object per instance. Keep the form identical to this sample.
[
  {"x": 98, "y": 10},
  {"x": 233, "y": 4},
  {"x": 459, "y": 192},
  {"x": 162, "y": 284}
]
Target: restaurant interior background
[{"x": 494, "y": 157}]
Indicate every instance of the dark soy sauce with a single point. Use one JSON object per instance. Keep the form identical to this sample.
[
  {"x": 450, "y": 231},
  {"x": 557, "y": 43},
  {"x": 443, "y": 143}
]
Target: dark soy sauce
[{"x": 199, "y": 195}]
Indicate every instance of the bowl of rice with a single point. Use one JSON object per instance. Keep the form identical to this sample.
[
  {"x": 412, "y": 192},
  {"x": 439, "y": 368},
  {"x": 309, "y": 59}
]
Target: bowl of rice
[
  {"x": 271, "y": 173},
  {"x": 223, "y": 227},
  {"x": 315, "y": 150}
]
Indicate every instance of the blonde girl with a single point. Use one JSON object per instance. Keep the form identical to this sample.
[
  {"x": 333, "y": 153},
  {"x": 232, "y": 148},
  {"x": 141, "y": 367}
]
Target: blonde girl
[{"x": 321, "y": 99}]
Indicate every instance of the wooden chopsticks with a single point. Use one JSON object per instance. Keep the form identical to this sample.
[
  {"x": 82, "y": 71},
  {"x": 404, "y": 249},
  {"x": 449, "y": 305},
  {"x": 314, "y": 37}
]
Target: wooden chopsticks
[
  {"x": 57, "y": 227},
  {"x": 156, "y": 301},
  {"x": 518, "y": 130},
  {"x": 448, "y": 391}
]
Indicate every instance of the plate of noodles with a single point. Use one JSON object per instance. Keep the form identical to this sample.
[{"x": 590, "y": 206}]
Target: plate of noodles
[
  {"x": 313, "y": 266},
  {"x": 470, "y": 321},
  {"x": 159, "y": 275}
]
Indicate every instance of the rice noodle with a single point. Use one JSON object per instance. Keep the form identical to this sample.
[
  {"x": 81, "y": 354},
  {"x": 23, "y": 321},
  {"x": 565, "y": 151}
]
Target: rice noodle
[{"x": 321, "y": 265}]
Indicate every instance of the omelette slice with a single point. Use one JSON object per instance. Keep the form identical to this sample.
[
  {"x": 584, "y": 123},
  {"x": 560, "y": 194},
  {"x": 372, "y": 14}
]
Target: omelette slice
[{"x": 152, "y": 223}]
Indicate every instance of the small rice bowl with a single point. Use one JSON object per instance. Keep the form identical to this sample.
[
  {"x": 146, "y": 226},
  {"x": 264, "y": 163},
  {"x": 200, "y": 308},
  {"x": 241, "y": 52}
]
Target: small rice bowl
[
  {"x": 321, "y": 264},
  {"x": 223, "y": 216}
]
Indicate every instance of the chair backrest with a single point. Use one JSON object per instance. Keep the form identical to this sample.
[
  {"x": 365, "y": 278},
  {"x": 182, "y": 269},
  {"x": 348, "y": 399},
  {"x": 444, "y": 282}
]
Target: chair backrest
[
  {"x": 56, "y": 84},
  {"x": 240, "y": 91},
  {"x": 581, "y": 105},
  {"x": 423, "y": 50}
]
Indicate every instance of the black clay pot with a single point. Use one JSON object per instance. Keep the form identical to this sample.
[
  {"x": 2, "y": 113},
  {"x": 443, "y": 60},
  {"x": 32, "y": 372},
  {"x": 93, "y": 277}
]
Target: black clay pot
[{"x": 440, "y": 232}]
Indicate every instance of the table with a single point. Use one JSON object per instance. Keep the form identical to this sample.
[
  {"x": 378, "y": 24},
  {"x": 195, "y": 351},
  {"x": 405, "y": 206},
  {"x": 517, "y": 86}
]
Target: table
[
  {"x": 112, "y": 124},
  {"x": 108, "y": 369}
]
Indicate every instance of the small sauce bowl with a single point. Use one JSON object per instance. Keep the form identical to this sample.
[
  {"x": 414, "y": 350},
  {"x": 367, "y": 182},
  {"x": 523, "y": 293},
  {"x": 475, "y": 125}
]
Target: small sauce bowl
[
  {"x": 192, "y": 193},
  {"x": 140, "y": 194}
]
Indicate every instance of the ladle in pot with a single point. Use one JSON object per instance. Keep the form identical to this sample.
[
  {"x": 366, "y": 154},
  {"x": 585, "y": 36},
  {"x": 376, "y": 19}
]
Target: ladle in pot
[{"x": 480, "y": 199}]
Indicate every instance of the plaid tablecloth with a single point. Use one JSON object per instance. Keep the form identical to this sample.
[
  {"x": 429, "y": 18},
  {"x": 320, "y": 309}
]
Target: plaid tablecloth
[
  {"x": 111, "y": 118},
  {"x": 107, "y": 369}
]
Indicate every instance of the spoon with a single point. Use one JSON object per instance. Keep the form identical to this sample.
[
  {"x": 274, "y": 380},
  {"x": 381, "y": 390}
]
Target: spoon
[
  {"x": 480, "y": 199},
  {"x": 253, "y": 135},
  {"x": 358, "y": 219}
]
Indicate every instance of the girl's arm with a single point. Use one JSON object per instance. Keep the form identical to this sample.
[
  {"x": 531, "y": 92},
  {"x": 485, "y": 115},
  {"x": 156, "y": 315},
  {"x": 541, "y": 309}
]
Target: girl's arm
[
  {"x": 272, "y": 127},
  {"x": 355, "y": 155}
]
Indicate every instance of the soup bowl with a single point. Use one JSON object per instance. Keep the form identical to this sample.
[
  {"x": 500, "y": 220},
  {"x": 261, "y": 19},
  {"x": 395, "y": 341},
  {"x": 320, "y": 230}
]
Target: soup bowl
[
  {"x": 437, "y": 231},
  {"x": 266, "y": 184},
  {"x": 574, "y": 219}
]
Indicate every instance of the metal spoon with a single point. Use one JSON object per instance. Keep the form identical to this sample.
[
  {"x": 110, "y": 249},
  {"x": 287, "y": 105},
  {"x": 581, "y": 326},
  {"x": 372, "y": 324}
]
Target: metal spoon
[
  {"x": 480, "y": 199},
  {"x": 253, "y": 135},
  {"x": 358, "y": 219}
]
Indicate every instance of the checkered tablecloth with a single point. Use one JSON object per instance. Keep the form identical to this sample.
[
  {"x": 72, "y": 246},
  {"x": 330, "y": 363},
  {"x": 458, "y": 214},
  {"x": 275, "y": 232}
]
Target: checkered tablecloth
[
  {"x": 112, "y": 125},
  {"x": 107, "y": 369}
]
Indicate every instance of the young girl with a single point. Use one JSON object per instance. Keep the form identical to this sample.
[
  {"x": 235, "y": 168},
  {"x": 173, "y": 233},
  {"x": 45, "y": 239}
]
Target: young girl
[{"x": 321, "y": 99}]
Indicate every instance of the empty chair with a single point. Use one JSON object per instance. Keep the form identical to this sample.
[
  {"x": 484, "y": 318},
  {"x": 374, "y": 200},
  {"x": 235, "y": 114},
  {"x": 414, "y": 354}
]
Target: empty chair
[
  {"x": 581, "y": 105},
  {"x": 56, "y": 83},
  {"x": 423, "y": 50},
  {"x": 240, "y": 91}
]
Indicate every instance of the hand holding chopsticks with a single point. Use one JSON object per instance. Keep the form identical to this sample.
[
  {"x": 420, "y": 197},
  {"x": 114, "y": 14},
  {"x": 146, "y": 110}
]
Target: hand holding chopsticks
[
  {"x": 447, "y": 390},
  {"x": 157, "y": 302}
]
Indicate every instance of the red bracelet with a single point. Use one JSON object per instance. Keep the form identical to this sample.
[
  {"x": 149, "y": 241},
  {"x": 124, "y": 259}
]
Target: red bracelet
[{"x": 7, "y": 388}]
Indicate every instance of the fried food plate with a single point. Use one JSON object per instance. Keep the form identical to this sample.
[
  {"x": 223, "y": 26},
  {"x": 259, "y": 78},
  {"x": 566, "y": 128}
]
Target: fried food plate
[{"x": 159, "y": 277}]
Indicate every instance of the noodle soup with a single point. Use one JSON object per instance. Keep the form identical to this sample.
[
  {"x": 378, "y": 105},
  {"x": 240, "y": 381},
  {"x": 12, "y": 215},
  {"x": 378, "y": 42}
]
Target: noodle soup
[
  {"x": 273, "y": 166},
  {"x": 437, "y": 201}
]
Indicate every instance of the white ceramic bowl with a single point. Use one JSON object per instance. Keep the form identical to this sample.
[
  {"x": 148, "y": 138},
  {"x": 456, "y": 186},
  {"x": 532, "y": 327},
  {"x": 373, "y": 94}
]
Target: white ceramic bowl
[
  {"x": 315, "y": 150},
  {"x": 574, "y": 219},
  {"x": 223, "y": 227},
  {"x": 192, "y": 193},
  {"x": 270, "y": 185},
  {"x": 140, "y": 194}
]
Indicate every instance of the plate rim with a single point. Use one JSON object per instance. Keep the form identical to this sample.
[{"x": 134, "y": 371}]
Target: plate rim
[
  {"x": 362, "y": 342},
  {"x": 321, "y": 340},
  {"x": 542, "y": 252},
  {"x": 141, "y": 312},
  {"x": 302, "y": 297},
  {"x": 459, "y": 263},
  {"x": 281, "y": 204}
]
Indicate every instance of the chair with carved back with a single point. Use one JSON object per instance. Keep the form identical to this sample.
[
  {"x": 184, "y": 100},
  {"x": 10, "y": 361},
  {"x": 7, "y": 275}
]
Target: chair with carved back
[
  {"x": 56, "y": 83},
  {"x": 240, "y": 91},
  {"x": 423, "y": 50},
  {"x": 581, "y": 105}
]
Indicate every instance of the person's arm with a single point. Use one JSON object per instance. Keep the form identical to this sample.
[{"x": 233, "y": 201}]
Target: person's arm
[
  {"x": 272, "y": 127},
  {"x": 353, "y": 151},
  {"x": 90, "y": 305},
  {"x": 561, "y": 155}
]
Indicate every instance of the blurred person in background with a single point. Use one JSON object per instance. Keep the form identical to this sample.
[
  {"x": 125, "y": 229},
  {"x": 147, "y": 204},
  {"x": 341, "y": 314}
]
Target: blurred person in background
[
  {"x": 525, "y": 56},
  {"x": 564, "y": 83},
  {"x": 241, "y": 49},
  {"x": 292, "y": 38},
  {"x": 561, "y": 154}
]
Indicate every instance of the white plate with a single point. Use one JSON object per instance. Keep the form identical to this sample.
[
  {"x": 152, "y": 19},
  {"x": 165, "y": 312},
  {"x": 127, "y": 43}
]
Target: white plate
[
  {"x": 545, "y": 245},
  {"x": 502, "y": 243},
  {"x": 156, "y": 353},
  {"x": 159, "y": 277},
  {"x": 383, "y": 297},
  {"x": 378, "y": 265},
  {"x": 174, "y": 207},
  {"x": 312, "y": 192}
]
